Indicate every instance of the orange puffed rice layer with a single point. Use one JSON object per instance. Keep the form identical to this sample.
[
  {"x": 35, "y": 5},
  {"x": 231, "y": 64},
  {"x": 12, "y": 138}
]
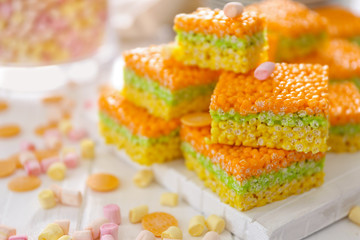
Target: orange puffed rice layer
[
  {"x": 239, "y": 161},
  {"x": 152, "y": 63},
  {"x": 342, "y": 57},
  {"x": 344, "y": 101},
  {"x": 208, "y": 21},
  {"x": 289, "y": 18},
  {"x": 136, "y": 119},
  {"x": 342, "y": 22},
  {"x": 290, "y": 88}
]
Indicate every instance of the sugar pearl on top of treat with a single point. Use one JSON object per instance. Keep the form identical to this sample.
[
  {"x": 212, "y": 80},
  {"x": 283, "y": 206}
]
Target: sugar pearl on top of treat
[
  {"x": 233, "y": 9},
  {"x": 264, "y": 70}
]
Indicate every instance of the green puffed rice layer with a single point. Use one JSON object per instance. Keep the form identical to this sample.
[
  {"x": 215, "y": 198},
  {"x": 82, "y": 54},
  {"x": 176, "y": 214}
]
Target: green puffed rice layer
[
  {"x": 348, "y": 129},
  {"x": 135, "y": 139},
  {"x": 163, "y": 93}
]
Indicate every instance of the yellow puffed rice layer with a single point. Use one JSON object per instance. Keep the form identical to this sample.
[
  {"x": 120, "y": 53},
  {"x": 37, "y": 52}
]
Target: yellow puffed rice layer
[
  {"x": 256, "y": 134},
  {"x": 208, "y": 56},
  {"x": 156, "y": 153},
  {"x": 251, "y": 200},
  {"x": 344, "y": 143},
  {"x": 159, "y": 108}
]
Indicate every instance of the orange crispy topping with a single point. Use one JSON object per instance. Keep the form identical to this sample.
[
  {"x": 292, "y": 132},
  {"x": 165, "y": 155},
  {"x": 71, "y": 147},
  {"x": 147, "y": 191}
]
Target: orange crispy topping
[
  {"x": 150, "y": 62},
  {"x": 342, "y": 57},
  {"x": 289, "y": 89},
  {"x": 207, "y": 21},
  {"x": 344, "y": 99},
  {"x": 136, "y": 119},
  {"x": 342, "y": 22},
  {"x": 290, "y": 18},
  {"x": 239, "y": 161}
]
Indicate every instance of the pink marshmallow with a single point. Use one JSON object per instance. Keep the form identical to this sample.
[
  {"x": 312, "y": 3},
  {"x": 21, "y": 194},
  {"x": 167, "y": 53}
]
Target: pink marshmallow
[
  {"x": 32, "y": 168},
  {"x": 71, "y": 160},
  {"x": 18, "y": 237},
  {"x": 46, "y": 163},
  {"x": 52, "y": 133},
  {"x": 112, "y": 212},
  {"x": 64, "y": 224},
  {"x": 71, "y": 197},
  {"x": 145, "y": 235},
  {"x": 27, "y": 156},
  {"x": 6, "y": 232},
  {"x": 264, "y": 70},
  {"x": 233, "y": 9},
  {"x": 94, "y": 227},
  {"x": 52, "y": 143},
  {"x": 57, "y": 191},
  {"x": 77, "y": 134},
  {"x": 107, "y": 237},
  {"x": 27, "y": 146},
  {"x": 82, "y": 235},
  {"x": 111, "y": 229}
]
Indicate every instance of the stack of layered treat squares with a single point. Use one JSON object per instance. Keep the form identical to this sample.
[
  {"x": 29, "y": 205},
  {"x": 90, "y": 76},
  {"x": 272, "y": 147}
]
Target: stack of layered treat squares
[{"x": 267, "y": 139}]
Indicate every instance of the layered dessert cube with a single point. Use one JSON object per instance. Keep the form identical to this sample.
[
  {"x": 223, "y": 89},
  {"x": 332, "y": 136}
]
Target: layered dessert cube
[
  {"x": 146, "y": 139},
  {"x": 293, "y": 29},
  {"x": 208, "y": 39},
  {"x": 246, "y": 177},
  {"x": 342, "y": 23},
  {"x": 165, "y": 87},
  {"x": 289, "y": 110},
  {"x": 344, "y": 131},
  {"x": 343, "y": 59}
]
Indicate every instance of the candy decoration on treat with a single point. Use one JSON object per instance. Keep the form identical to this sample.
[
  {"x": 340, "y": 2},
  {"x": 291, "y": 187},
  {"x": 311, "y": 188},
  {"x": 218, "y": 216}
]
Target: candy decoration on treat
[
  {"x": 197, "y": 226},
  {"x": 169, "y": 199},
  {"x": 94, "y": 227},
  {"x": 109, "y": 229},
  {"x": 112, "y": 213},
  {"x": 64, "y": 224},
  {"x": 209, "y": 39},
  {"x": 198, "y": 119},
  {"x": 158, "y": 222},
  {"x": 102, "y": 182},
  {"x": 7, "y": 168},
  {"x": 6, "y": 231},
  {"x": 47, "y": 199},
  {"x": 49, "y": 31},
  {"x": 24, "y": 183},
  {"x": 145, "y": 235},
  {"x": 52, "y": 232},
  {"x": 146, "y": 139},
  {"x": 298, "y": 120},
  {"x": 233, "y": 9},
  {"x": 243, "y": 176},
  {"x": 82, "y": 235},
  {"x": 264, "y": 70},
  {"x": 57, "y": 171},
  {"x": 143, "y": 178},
  {"x": 172, "y": 232},
  {"x": 215, "y": 223},
  {"x": 136, "y": 214},
  {"x": 354, "y": 215},
  {"x": 9, "y": 130},
  {"x": 165, "y": 87},
  {"x": 211, "y": 236}
]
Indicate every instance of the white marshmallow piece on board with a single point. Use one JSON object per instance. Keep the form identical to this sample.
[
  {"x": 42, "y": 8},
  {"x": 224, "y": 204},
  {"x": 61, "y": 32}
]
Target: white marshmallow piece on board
[
  {"x": 94, "y": 227},
  {"x": 71, "y": 197},
  {"x": 64, "y": 224},
  {"x": 354, "y": 215}
]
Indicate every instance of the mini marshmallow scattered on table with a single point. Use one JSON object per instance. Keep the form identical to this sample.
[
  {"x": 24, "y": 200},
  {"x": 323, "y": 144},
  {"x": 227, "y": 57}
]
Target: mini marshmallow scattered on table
[
  {"x": 82, "y": 235},
  {"x": 145, "y": 235},
  {"x": 136, "y": 214},
  {"x": 169, "y": 199},
  {"x": 94, "y": 226},
  {"x": 354, "y": 215},
  {"x": 51, "y": 232},
  {"x": 18, "y": 237},
  {"x": 215, "y": 223},
  {"x": 7, "y": 231},
  {"x": 143, "y": 178},
  {"x": 64, "y": 224},
  {"x": 47, "y": 199},
  {"x": 211, "y": 236},
  {"x": 112, "y": 213},
  {"x": 109, "y": 229},
  {"x": 57, "y": 171},
  {"x": 197, "y": 226},
  {"x": 172, "y": 232}
]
